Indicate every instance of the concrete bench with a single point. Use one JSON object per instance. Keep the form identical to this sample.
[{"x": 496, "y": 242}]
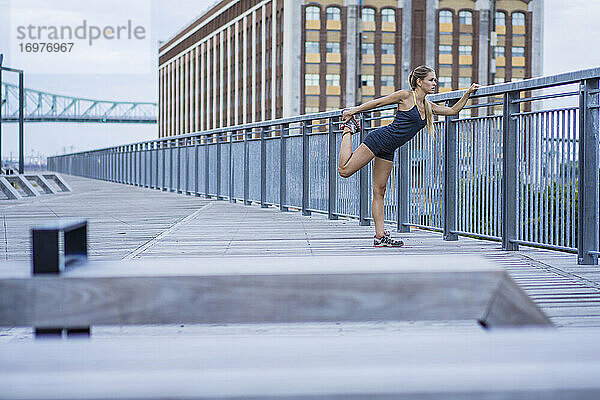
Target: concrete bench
[
  {"x": 267, "y": 290},
  {"x": 502, "y": 364}
]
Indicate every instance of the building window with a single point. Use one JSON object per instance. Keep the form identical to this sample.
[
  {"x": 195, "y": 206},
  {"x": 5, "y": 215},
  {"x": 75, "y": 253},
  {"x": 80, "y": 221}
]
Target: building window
[
  {"x": 387, "y": 80},
  {"x": 313, "y": 13},
  {"x": 368, "y": 80},
  {"x": 466, "y": 50},
  {"x": 445, "y": 81},
  {"x": 333, "y": 79},
  {"x": 445, "y": 49},
  {"x": 464, "y": 82},
  {"x": 368, "y": 15},
  {"x": 312, "y": 47},
  {"x": 499, "y": 51},
  {"x": 514, "y": 79},
  {"x": 518, "y": 71},
  {"x": 388, "y": 15},
  {"x": 498, "y": 80},
  {"x": 311, "y": 110},
  {"x": 333, "y": 47},
  {"x": 465, "y": 17},
  {"x": 500, "y": 18},
  {"x": 333, "y": 14},
  {"x": 368, "y": 48},
  {"x": 311, "y": 79},
  {"x": 518, "y": 51},
  {"x": 518, "y": 19},
  {"x": 388, "y": 48},
  {"x": 445, "y": 17}
]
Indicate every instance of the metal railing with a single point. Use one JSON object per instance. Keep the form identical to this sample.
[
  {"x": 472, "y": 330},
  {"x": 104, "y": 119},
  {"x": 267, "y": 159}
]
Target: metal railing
[{"x": 513, "y": 167}]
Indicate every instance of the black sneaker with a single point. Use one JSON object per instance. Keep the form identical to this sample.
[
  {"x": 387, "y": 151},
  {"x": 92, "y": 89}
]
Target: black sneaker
[
  {"x": 386, "y": 241},
  {"x": 352, "y": 124}
]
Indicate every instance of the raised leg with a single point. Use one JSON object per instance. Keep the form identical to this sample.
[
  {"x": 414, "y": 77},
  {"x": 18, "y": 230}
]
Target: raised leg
[
  {"x": 381, "y": 173},
  {"x": 350, "y": 161}
]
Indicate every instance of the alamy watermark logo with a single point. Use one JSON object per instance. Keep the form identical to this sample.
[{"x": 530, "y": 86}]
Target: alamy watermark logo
[{"x": 74, "y": 36}]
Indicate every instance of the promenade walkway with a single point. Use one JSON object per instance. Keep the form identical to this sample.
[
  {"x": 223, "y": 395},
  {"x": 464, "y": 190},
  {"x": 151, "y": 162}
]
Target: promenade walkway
[{"x": 128, "y": 222}]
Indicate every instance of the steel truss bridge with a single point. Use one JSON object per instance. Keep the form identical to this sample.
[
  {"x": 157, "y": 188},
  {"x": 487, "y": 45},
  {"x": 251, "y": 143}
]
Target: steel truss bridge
[{"x": 49, "y": 107}]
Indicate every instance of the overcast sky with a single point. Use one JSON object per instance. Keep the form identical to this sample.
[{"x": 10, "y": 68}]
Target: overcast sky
[{"x": 571, "y": 42}]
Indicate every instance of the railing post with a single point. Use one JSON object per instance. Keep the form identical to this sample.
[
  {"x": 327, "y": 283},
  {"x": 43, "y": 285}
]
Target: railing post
[
  {"x": 231, "y": 174},
  {"x": 263, "y": 168},
  {"x": 219, "y": 169},
  {"x": 283, "y": 167},
  {"x": 403, "y": 206},
  {"x": 509, "y": 170},
  {"x": 179, "y": 143},
  {"x": 450, "y": 174},
  {"x": 332, "y": 190},
  {"x": 172, "y": 145},
  {"x": 246, "y": 168},
  {"x": 163, "y": 147},
  {"x": 306, "y": 129},
  {"x": 197, "y": 140},
  {"x": 206, "y": 168},
  {"x": 363, "y": 181},
  {"x": 587, "y": 235},
  {"x": 187, "y": 142}
]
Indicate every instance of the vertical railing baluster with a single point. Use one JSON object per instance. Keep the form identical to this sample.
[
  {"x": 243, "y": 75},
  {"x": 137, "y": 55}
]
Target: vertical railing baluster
[
  {"x": 283, "y": 131},
  {"x": 332, "y": 164},
  {"x": 509, "y": 171},
  {"x": 450, "y": 172},
  {"x": 587, "y": 235},
  {"x": 306, "y": 129}
]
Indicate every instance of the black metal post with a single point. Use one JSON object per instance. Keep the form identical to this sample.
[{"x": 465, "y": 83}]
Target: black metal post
[
  {"x": 587, "y": 235},
  {"x": 450, "y": 173},
  {"x": 509, "y": 171}
]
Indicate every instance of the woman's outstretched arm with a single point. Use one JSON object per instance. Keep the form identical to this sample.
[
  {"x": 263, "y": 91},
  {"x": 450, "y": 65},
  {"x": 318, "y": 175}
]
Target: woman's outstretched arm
[
  {"x": 455, "y": 109},
  {"x": 394, "y": 98}
]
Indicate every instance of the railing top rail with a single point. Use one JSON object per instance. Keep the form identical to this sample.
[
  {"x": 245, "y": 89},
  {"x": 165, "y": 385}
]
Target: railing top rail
[{"x": 527, "y": 84}]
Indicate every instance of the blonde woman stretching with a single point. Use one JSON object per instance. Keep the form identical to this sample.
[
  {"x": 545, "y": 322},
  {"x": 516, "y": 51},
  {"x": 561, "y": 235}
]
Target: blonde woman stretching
[{"x": 414, "y": 112}]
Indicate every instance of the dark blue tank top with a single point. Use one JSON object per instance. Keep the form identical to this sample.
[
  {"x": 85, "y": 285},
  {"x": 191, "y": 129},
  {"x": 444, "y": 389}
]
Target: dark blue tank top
[{"x": 408, "y": 122}]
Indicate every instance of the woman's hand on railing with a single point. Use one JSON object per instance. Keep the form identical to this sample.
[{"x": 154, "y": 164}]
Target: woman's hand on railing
[
  {"x": 346, "y": 114},
  {"x": 473, "y": 88}
]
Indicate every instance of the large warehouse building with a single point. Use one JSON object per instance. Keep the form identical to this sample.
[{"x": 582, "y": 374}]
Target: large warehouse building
[{"x": 250, "y": 60}]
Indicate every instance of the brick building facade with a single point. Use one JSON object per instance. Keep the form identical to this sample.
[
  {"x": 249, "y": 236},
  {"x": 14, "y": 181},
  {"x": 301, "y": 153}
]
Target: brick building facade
[{"x": 251, "y": 60}]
